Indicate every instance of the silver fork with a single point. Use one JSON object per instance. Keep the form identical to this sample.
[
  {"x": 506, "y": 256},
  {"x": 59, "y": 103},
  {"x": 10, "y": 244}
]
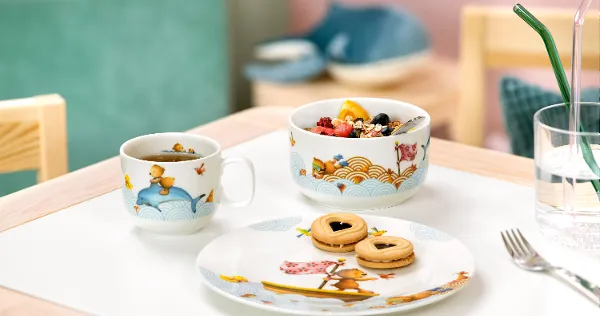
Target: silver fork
[{"x": 525, "y": 257}]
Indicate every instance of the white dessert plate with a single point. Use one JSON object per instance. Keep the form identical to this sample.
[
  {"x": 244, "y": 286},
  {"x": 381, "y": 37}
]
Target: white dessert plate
[{"x": 274, "y": 266}]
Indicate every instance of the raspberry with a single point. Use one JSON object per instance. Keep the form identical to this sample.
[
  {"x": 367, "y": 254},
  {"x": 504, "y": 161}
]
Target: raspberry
[
  {"x": 323, "y": 131},
  {"x": 343, "y": 130},
  {"x": 325, "y": 122}
]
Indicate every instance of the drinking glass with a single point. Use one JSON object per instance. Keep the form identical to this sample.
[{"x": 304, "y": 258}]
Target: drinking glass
[{"x": 567, "y": 207}]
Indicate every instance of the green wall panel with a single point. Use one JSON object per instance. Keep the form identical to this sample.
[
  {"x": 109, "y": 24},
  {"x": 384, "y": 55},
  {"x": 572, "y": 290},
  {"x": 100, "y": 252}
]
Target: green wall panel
[{"x": 125, "y": 67}]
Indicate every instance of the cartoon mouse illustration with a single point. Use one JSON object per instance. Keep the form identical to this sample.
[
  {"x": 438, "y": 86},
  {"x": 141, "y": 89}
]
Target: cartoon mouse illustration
[{"x": 348, "y": 280}]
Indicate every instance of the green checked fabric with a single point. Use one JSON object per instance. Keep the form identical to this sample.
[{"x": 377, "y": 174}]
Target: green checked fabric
[{"x": 520, "y": 100}]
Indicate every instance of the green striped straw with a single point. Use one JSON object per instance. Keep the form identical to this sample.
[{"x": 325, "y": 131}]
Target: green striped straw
[{"x": 563, "y": 84}]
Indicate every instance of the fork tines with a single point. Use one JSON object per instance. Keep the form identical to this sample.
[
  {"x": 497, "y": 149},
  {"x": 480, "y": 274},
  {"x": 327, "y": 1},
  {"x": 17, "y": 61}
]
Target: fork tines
[{"x": 516, "y": 244}]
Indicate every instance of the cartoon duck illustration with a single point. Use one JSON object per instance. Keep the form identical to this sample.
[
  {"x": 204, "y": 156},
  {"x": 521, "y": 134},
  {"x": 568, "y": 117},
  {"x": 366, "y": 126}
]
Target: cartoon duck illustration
[
  {"x": 375, "y": 232},
  {"x": 321, "y": 168},
  {"x": 233, "y": 279},
  {"x": 200, "y": 170},
  {"x": 211, "y": 196},
  {"x": 191, "y": 151},
  {"x": 178, "y": 147},
  {"x": 292, "y": 141},
  {"x": 128, "y": 182},
  {"x": 303, "y": 232}
]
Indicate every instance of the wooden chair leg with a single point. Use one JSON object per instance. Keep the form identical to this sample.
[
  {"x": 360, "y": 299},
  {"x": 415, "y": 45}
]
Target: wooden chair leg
[{"x": 469, "y": 125}]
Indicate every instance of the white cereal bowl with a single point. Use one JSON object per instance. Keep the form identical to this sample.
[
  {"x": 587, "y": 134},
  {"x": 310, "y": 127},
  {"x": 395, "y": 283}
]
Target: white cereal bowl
[{"x": 359, "y": 173}]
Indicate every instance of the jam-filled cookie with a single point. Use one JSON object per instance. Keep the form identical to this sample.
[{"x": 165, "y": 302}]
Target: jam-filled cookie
[
  {"x": 338, "y": 232},
  {"x": 384, "y": 252}
]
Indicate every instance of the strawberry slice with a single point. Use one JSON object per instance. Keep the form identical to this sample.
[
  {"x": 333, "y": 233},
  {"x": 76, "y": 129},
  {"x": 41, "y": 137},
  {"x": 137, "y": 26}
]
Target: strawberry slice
[
  {"x": 343, "y": 130},
  {"x": 323, "y": 130}
]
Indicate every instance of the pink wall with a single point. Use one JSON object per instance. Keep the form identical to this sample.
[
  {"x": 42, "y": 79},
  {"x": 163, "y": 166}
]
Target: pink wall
[{"x": 442, "y": 18}]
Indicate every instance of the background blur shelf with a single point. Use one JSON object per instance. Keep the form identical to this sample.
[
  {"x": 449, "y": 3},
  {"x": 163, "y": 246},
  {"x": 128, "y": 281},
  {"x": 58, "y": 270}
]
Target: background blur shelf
[{"x": 435, "y": 89}]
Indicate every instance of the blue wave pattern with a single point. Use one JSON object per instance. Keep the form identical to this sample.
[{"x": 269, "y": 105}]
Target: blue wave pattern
[
  {"x": 427, "y": 233},
  {"x": 417, "y": 178},
  {"x": 169, "y": 211},
  {"x": 278, "y": 225},
  {"x": 366, "y": 188},
  {"x": 294, "y": 302},
  {"x": 130, "y": 200}
]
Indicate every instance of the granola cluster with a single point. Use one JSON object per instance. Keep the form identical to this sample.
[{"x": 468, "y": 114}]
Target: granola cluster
[{"x": 377, "y": 126}]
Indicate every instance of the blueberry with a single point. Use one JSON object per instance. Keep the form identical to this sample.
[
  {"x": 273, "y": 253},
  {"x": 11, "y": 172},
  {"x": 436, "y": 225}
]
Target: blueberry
[
  {"x": 381, "y": 118},
  {"x": 354, "y": 134},
  {"x": 386, "y": 131}
]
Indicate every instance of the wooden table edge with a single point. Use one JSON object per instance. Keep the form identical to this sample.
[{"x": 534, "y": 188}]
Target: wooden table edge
[{"x": 443, "y": 153}]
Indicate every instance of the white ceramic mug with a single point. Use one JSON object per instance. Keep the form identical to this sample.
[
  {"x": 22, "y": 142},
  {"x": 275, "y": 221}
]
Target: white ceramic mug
[{"x": 176, "y": 197}]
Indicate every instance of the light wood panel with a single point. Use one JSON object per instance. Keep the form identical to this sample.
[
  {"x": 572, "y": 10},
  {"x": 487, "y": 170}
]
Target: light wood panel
[
  {"x": 105, "y": 176},
  {"x": 33, "y": 136},
  {"x": 435, "y": 89},
  {"x": 495, "y": 37},
  {"x": 18, "y": 304}
]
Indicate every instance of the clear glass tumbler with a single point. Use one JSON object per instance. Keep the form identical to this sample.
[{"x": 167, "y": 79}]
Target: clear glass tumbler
[{"x": 567, "y": 204}]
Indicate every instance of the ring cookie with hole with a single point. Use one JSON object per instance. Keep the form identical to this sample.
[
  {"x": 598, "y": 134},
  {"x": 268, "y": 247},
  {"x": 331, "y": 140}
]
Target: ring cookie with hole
[
  {"x": 384, "y": 252},
  {"x": 338, "y": 232}
]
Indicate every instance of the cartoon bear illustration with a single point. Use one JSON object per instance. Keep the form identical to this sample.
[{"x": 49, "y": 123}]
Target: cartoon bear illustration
[
  {"x": 166, "y": 183},
  {"x": 348, "y": 280},
  {"x": 320, "y": 168},
  {"x": 157, "y": 172}
]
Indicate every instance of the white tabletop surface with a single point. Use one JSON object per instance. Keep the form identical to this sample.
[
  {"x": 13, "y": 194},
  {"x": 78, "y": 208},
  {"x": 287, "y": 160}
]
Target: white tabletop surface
[{"x": 89, "y": 257}]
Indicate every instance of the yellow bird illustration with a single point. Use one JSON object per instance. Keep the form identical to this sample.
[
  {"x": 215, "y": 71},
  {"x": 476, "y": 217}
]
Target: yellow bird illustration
[
  {"x": 303, "y": 232},
  {"x": 128, "y": 182},
  {"x": 233, "y": 279},
  {"x": 376, "y": 232}
]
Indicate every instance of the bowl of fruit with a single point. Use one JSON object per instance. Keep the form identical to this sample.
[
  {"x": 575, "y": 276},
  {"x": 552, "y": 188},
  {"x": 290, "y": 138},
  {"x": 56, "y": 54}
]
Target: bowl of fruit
[{"x": 359, "y": 153}]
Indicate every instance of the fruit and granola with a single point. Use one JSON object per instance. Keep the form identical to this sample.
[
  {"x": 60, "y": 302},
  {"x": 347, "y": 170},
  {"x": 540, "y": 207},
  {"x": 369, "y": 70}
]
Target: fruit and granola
[{"x": 355, "y": 122}]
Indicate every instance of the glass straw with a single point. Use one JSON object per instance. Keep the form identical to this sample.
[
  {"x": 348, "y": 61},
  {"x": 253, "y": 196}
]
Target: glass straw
[
  {"x": 563, "y": 84},
  {"x": 576, "y": 64},
  {"x": 574, "y": 118}
]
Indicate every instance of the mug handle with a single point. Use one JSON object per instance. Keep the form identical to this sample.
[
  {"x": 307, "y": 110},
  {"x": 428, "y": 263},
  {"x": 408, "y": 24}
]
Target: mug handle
[{"x": 239, "y": 160}]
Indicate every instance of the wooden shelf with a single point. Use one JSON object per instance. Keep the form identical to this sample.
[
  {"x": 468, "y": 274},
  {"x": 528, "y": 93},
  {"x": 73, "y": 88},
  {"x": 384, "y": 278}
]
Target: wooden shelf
[{"x": 435, "y": 89}]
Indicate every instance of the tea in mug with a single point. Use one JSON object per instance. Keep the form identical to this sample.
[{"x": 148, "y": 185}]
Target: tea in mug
[{"x": 169, "y": 157}]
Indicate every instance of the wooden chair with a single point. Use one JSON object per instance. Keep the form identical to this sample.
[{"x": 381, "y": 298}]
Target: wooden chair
[
  {"x": 33, "y": 136},
  {"x": 495, "y": 37}
]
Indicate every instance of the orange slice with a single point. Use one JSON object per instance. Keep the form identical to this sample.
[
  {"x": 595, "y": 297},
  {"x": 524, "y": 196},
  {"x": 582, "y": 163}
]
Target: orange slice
[{"x": 354, "y": 110}]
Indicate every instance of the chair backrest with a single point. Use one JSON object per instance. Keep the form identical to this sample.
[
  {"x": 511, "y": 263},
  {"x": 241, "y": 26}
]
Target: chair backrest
[
  {"x": 495, "y": 37},
  {"x": 33, "y": 136}
]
